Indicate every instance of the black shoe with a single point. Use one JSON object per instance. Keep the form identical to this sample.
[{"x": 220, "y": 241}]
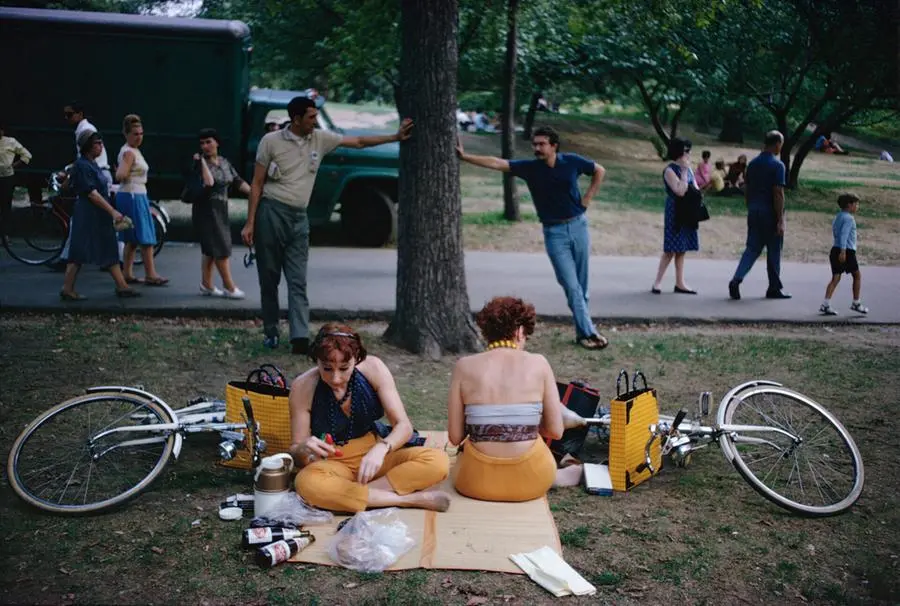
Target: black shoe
[
  {"x": 685, "y": 291},
  {"x": 777, "y": 294},
  {"x": 300, "y": 346},
  {"x": 734, "y": 290}
]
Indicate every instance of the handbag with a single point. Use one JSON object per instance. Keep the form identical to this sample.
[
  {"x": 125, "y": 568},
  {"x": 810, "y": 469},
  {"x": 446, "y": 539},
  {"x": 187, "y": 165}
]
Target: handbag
[
  {"x": 194, "y": 190},
  {"x": 265, "y": 386},
  {"x": 631, "y": 414},
  {"x": 582, "y": 400}
]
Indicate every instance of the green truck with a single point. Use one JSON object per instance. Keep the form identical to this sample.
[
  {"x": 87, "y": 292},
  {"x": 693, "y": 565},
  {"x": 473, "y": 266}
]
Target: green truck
[{"x": 179, "y": 75}]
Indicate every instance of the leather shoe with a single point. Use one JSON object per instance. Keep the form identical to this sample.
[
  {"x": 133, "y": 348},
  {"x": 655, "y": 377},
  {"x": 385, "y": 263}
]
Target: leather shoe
[
  {"x": 734, "y": 290},
  {"x": 777, "y": 294},
  {"x": 685, "y": 291}
]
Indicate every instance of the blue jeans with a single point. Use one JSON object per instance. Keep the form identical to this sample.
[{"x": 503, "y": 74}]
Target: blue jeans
[
  {"x": 569, "y": 248},
  {"x": 762, "y": 233}
]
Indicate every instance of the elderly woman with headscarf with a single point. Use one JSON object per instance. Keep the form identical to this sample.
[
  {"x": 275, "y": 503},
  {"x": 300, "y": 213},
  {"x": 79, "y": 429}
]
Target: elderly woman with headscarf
[{"x": 94, "y": 222}]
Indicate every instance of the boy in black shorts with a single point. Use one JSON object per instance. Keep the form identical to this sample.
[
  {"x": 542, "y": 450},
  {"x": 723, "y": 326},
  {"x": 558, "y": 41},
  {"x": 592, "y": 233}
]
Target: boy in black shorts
[{"x": 843, "y": 254}]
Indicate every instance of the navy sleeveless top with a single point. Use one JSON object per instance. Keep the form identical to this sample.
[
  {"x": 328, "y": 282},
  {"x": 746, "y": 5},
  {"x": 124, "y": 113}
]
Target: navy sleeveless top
[{"x": 326, "y": 415}]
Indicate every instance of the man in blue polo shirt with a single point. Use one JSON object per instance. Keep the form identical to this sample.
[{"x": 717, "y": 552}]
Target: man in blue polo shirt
[
  {"x": 764, "y": 195},
  {"x": 552, "y": 179}
]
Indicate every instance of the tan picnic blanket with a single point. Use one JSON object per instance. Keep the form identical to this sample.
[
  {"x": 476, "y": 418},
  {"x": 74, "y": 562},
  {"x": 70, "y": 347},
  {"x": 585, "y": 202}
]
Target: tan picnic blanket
[{"x": 471, "y": 535}]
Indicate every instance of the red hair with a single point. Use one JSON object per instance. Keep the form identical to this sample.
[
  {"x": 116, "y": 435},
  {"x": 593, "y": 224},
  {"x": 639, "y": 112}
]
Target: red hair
[
  {"x": 502, "y": 316},
  {"x": 337, "y": 337}
]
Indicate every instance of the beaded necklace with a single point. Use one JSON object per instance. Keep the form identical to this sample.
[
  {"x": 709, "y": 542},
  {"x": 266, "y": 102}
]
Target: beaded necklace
[
  {"x": 507, "y": 343},
  {"x": 334, "y": 408}
]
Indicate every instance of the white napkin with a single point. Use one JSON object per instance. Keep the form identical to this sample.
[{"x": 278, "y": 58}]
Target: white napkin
[{"x": 550, "y": 571}]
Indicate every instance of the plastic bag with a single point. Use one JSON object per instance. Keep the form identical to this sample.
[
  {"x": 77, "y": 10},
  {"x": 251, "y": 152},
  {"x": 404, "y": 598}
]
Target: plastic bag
[
  {"x": 371, "y": 541},
  {"x": 292, "y": 512}
]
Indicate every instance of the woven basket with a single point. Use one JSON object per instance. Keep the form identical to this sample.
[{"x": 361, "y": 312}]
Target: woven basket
[{"x": 271, "y": 411}]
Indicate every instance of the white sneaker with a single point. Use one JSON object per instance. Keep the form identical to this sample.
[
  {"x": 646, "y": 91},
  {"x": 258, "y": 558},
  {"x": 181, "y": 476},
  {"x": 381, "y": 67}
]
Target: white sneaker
[
  {"x": 237, "y": 293},
  {"x": 215, "y": 291},
  {"x": 859, "y": 308},
  {"x": 827, "y": 310}
]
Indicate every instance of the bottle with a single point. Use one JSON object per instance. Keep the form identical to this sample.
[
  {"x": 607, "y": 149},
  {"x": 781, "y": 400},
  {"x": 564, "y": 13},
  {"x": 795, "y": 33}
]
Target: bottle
[
  {"x": 276, "y": 553},
  {"x": 257, "y": 537}
]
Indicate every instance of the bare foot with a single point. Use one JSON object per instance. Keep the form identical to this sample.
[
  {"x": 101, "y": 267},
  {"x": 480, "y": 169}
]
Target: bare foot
[{"x": 434, "y": 500}]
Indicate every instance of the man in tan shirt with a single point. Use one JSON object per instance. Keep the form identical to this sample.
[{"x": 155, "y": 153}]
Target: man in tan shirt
[{"x": 287, "y": 161}]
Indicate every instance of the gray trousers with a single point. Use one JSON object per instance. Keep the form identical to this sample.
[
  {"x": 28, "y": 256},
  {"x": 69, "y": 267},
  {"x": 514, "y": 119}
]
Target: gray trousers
[{"x": 281, "y": 238}]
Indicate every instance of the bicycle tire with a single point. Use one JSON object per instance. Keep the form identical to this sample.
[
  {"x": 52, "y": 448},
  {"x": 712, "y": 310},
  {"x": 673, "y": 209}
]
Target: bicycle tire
[
  {"x": 160, "y": 229},
  {"x": 835, "y": 478},
  {"x": 60, "y": 431},
  {"x": 42, "y": 238}
]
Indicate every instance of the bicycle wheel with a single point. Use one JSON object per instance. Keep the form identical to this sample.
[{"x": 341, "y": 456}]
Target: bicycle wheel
[
  {"x": 37, "y": 235},
  {"x": 60, "y": 464},
  {"x": 820, "y": 473},
  {"x": 160, "y": 228}
]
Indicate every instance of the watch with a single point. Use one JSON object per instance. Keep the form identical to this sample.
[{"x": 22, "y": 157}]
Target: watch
[{"x": 386, "y": 443}]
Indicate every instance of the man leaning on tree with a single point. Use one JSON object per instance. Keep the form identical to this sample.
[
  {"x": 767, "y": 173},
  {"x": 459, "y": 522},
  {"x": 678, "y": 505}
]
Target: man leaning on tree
[
  {"x": 287, "y": 161},
  {"x": 552, "y": 179}
]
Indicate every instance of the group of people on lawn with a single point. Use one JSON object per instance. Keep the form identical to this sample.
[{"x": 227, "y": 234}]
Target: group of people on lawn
[{"x": 502, "y": 405}]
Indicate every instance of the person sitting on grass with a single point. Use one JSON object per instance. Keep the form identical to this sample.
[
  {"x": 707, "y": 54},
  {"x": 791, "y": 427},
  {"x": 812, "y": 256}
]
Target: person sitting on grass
[
  {"x": 503, "y": 403},
  {"x": 716, "y": 181},
  {"x": 704, "y": 170},
  {"x": 346, "y": 465},
  {"x": 843, "y": 255},
  {"x": 734, "y": 178},
  {"x": 827, "y": 145}
]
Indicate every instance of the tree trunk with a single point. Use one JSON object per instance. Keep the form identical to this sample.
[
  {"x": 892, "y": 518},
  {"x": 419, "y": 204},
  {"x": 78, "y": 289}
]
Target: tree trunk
[
  {"x": 510, "y": 197},
  {"x": 529, "y": 116},
  {"x": 794, "y": 169},
  {"x": 653, "y": 108},
  {"x": 732, "y": 128},
  {"x": 433, "y": 314}
]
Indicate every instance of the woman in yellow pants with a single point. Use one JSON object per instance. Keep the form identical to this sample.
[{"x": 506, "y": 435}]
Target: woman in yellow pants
[
  {"x": 347, "y": 466},
  {"x": 503, "y": 402}
]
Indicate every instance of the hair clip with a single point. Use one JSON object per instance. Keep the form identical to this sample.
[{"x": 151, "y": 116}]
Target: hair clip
[{"x": 341, "y": 334}]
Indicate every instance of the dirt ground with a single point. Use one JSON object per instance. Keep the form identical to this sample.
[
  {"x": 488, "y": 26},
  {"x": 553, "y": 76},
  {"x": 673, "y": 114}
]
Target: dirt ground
[{"x": 695, "y": 536}]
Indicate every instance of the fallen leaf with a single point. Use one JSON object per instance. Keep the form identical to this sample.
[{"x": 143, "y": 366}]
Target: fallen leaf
[
  {"x": 206, "y": 548},
  {"x": 507, "y": 597},
  {"x": 196, "y": 522},
  {"x": 65, "y": 571},
  {"x": 477, "y": 600},
  {"x": 446, "y": 582},
  {"x": 156, "y": 550},
  {"x": 350, "y": 585}
]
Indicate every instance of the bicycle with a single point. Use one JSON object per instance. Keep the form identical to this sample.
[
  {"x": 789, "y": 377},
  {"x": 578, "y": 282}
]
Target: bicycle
[
  {"x": 797, "y": 455},
  {"x": 99, "y": 450},
  {"x": 41, "y": 230}
]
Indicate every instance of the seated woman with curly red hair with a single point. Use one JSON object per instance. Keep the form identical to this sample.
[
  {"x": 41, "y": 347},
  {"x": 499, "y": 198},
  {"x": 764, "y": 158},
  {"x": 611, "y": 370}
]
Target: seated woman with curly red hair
[
  {"x": 342, "y": 398},
  {"x": 503, "y": 402}
]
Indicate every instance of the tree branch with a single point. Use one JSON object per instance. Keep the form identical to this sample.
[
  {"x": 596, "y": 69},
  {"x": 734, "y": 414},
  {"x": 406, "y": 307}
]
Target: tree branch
[{"x": 472, "y": 29}]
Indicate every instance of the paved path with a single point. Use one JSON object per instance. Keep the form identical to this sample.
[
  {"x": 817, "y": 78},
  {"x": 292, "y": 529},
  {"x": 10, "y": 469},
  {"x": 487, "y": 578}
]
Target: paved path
[{"x": 348, "y": 282}]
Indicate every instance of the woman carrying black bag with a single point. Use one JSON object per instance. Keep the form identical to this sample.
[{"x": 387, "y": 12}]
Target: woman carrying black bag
[
  {"x": 680, "y": 234},
  {"x": 209, "y": 214}
]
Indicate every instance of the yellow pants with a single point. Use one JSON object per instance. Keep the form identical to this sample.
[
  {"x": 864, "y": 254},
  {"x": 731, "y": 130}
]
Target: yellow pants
[
  {"x": 522, "y": 478},
  {"x": 331, "y": 484}
]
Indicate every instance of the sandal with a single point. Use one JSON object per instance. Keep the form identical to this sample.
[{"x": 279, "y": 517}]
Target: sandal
[
  {"x": 589, "y": 343},
  {"x": 134, "y": 280},
  {"x": 601, "y": 341},
  {"x": 71, "y": 296},
  {"x": 158, "y": 281},
  {"x": 127, "y": 293}
]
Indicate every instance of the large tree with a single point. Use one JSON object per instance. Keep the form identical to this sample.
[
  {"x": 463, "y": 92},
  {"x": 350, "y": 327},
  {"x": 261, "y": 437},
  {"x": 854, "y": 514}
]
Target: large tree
[
  {"x": 826, "y": 62},
  {"x": 510, "y": 197},
  {"x": 432, "y": 312}
]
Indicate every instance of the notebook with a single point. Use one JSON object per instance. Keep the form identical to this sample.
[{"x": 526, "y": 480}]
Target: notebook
[{"x": 597, "y": 480}]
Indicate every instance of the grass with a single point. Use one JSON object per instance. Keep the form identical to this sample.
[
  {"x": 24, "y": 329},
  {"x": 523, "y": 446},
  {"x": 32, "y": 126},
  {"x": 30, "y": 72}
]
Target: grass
[{"x": 697, "y": 535}]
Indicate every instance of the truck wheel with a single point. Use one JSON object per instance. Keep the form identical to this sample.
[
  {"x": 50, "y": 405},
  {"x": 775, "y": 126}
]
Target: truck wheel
[{"x": 369, "y": 217}]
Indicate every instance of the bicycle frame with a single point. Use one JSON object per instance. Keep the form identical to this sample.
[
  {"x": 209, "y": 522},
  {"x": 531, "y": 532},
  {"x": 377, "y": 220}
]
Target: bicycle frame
[{"x": 204, "y": 416}]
